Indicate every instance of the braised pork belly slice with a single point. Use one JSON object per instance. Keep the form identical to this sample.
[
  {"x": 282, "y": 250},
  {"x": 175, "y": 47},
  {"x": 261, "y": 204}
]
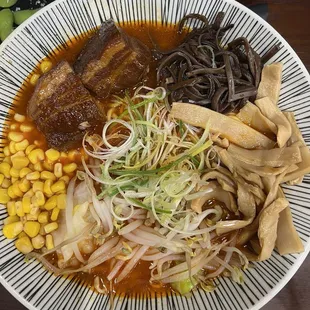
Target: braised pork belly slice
[
  {"x": 60, "y": 104},
  {"x": 112, "y": 61}
]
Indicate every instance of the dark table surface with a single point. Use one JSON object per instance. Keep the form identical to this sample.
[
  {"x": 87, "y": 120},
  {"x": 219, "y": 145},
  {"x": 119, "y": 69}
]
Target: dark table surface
[{"x": 291, "y": 18}]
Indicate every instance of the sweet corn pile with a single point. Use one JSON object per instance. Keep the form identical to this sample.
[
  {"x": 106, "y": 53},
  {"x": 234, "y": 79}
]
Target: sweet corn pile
[{"x": 33, "y": 187}]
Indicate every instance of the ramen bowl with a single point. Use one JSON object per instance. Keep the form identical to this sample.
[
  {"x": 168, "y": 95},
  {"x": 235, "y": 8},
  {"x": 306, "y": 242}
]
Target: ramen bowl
[{"x": 51, "y": 29}]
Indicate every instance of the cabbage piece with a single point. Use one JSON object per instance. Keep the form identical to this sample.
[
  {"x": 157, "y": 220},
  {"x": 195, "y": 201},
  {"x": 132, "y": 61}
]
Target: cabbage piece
[
  {"x": 78, "y": 223},
  {"x": 184, "y": 287},
  {"x": 79, "y": 213}
]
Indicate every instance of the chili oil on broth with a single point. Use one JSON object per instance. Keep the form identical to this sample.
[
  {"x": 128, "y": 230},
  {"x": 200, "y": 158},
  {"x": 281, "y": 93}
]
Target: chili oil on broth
[{"x": 164, "y": 38}]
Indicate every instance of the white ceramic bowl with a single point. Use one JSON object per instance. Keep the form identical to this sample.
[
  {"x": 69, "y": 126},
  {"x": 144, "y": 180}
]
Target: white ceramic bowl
[{"x": 36, "y": 288}]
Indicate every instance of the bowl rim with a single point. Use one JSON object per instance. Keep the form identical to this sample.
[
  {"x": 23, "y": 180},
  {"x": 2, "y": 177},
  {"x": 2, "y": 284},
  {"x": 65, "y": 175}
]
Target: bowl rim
[{"x": 301, "y": 257}]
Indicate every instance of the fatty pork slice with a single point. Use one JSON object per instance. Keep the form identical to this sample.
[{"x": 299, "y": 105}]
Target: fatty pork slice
[
  {"x": 112, "y": 61},
  {"x": 61, "y": 107}
]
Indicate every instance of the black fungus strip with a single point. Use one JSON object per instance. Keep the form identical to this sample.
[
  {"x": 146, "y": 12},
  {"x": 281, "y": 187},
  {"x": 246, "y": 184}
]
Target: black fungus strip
[{"x": 203, "y": 71}]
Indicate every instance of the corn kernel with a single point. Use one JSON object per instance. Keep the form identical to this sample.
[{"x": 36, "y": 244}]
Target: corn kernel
[
  {"x": 6, "y": 151},
  {"x": 1, "y": 178},
  {"x": 15, "y": 136},
  {"x": 18, "y": 154},
  {"x": 30, "y": 193},
  {"x": 72, "y": 154},
  {"x": 61, "y": 201},
  {"x": 4, "y": 196},
  {"x": 12, "y": 147},
  {"x": 26, "y": 128},
  {"x": 11, "y": 192},
  {"x": 11, "y": 208},
  {"x": 23, "y": 172},
  {"x": 7, "y": 160},
  {"x": 24, "y": 245},
  {"x": 36, "y": 156},
  {"x": 19, "y": 163},
  {"x": 14, "y": 172},
  {"x": 43, "y": 217},
  {"x": 40, "y": 198},
  {"x": 14, "y": 126},
  {"x": 6, "y": 183},
  {"x": 70, "y": 168},
  {"x": 38, "y": 242},
  {"x": 84, "y": 154},
  {"x": 58, "y": 170},
  {"x": 47, "y": 188},
  {"x": 37, "y": 186},
  {"x": 65, "y": 178},
  {"x": 58, "y": 186},
  {"x": 24, "y": 185},
  {"x": 11, "y": 219},
  {"x": 16, "y": 190},
  {"x": 38, "y": 143},
  {"x": 50, "y": 227},
  {"x": 42, "y": 231},
  {"x": 32, "y": 229},
  {"x": 21, "y": 146},
  {"x": 34, "y": 201},
  {"x": 55, "y": 214},
  {"x": 19, "y": 209},
  {"x": 47, "y": 175},
  {"x": 48, "y": 166},
  {"x": 35, "y": 210},
  {"x": 26, "y": 202},
  {"x": 19, "y": 117},
  {"x": 46, "y": 66},
  {"x": 12, "y": 230},
  {"x": 33, "y": 176},
  {"x": 51, "y": 203},
  {"x": 22, "y": 234},
  {"x": 38, "y": 167},
  {"x": 49, "y": 242},
  {"x": 63, "y": 155},
  {"x": 34, "y": 214},
  {"x": 5, "y": 169},
  {"x": 29, "y": 149},
  {"x": 13, "y": 180},
  {"x": 52, "y": 154},
  {"x": 34, "y": 79}
]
